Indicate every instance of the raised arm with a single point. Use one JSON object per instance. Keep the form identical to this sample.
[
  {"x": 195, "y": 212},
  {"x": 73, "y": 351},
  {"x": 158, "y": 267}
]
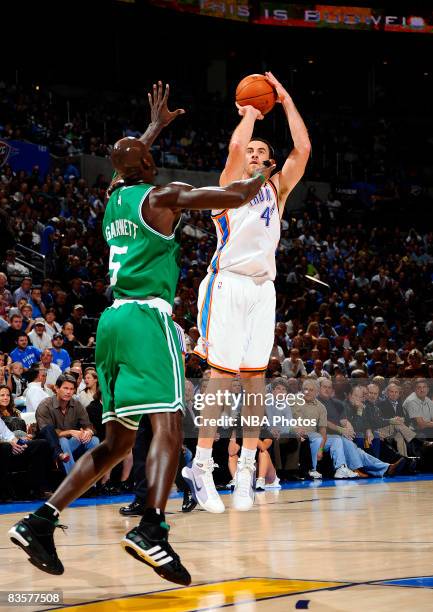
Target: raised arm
[
  {"x": 160, "y": 116},
  {"x": 235, "y": 163},
  {"x": 179, "y": 196},
  {"x": 294, "y": 166}
]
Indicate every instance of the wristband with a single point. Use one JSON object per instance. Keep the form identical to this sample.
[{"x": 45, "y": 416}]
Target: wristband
[
  {"x": 322, "y": 449},
  {"x": 261, "y": 176}
]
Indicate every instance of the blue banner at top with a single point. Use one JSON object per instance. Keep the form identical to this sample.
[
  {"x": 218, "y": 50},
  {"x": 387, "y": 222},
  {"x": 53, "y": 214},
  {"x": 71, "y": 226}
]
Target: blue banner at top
[{"x": 21, "y": 155}]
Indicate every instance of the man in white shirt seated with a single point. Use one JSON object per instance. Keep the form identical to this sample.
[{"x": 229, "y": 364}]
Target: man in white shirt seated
[
  {"x": 419, "y": 407},
  {"x": 39, "y": 336},
  {"x": 293, "y": 366},
  {"x": 36, "y": 390},
  {"x": 53, "y": 370}
]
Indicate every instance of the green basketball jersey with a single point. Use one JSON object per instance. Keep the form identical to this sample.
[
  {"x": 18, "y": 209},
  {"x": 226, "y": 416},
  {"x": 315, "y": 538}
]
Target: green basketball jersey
[{"x": 143, "y": 262}]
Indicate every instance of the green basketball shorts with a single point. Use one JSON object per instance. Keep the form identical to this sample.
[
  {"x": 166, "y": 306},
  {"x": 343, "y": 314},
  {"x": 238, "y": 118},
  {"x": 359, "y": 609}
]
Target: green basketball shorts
[{"x": 139, "y": 363}]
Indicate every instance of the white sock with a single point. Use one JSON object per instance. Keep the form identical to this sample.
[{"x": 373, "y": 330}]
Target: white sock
[
  {"x": 247, "y": 453},
  {"x": 203, "y": 454}
]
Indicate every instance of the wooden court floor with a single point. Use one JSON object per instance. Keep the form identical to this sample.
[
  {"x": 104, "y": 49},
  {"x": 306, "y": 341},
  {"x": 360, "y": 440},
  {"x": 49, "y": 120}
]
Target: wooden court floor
[{"x": 347, "y": 547}]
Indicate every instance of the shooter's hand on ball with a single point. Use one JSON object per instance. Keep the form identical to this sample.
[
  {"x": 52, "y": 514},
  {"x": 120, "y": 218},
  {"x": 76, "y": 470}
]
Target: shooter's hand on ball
[
  {"x": 159, "y": 113},
  {"x": 254, "y": 112},
  {"x": 282, "y": 93}
]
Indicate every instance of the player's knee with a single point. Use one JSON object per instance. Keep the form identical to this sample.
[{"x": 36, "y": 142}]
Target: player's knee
[{"x": 171, "y": 436}]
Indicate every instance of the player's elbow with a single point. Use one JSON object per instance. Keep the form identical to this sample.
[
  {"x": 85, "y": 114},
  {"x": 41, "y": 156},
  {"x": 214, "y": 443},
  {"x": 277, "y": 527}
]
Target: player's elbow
[
  {"x": 236, "y": 147},
  {"x": 305, "y": 148}
]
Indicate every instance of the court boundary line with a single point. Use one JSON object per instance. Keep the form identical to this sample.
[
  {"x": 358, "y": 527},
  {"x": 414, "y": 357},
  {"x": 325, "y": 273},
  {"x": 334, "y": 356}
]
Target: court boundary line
[{"x": 343, "y": 585}]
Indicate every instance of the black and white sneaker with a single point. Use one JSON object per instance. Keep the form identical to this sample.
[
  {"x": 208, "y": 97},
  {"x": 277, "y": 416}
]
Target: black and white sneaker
[
  {"x": 35, "y": 536},
  {"x": 148, "y": 543},
  {"x": 135, "y": 508}
]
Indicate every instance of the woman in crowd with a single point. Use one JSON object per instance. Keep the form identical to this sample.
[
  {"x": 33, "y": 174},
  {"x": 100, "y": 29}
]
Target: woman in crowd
[{"x": 91, "y": 381}]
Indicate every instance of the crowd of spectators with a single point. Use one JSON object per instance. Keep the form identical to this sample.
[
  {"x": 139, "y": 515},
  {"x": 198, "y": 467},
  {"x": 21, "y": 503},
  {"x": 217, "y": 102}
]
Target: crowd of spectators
[{"x": 384, "y": 153}]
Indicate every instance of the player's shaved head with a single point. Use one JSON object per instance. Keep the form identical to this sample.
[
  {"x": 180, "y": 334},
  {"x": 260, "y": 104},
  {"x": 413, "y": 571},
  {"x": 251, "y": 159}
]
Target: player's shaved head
[{"x": 131, "y": 158}]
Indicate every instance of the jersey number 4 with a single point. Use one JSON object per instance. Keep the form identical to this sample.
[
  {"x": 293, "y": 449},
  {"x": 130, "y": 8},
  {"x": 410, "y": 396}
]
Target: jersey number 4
[
  {"x": 114, "y": 266},
  {"x": 267, "y": 214}
]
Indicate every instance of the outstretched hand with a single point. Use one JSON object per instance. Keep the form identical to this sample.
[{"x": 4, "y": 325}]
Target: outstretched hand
[
  {"x": 266, "y": 169},
  {"x": 159, "y": 112},
  {"x": 248, "y": 108},
  {"x": 281, "y": 91}
]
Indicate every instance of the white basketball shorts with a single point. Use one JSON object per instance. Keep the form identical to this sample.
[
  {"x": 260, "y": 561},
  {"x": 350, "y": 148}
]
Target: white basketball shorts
[{"x": 236, "y": 320}]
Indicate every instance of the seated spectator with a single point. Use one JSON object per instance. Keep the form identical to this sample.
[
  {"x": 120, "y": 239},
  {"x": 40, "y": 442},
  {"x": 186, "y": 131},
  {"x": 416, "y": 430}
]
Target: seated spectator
[
  {"x": 20, "y": 453},
  {"x": 5, "y": 294},
  {"x": 61, "y": 357},
  {"x": 39, "y": 336},
  {"x": 417, "y": 368},
  {"x": 70, "y": 342},
  {"x": 329, "y": 364},
  {"x": 274, "y": 368},
  {"x": 8, "y": 338},
  {"x": 293, "y": 366},
  {"x": 69, "y": 419},
  {"x": 94, "y": 410},
  {"x": 397, "y": 430},
  {"x": 360, "y": 462},
  {"x": 53, "y": 370},
  {"x": 291, "y": 454},
  {"x": 16, "y": 271},
  {"x": 25, "y": 354},
  {"x": 28, "y": 321},
  {"x": 76, "y": 370},
  {"x": 277, "y": 351},
  {"x": 359, "y": 362},
  {"x": 86, "y": 396},
  {"x": 51, "y": 325},
  {"x": 318, "y": 371},
  {"x": 419, "y": 408},
  {"x": 36, "y": 390},
  {"x": 82, "y": 328},
  {"x": 35, "y": 301},
  {"x": 320, "y": 442},
  {"x": 4, "y": 368},
  {"x": 47, "y": 295},
  {"x": 358, "y": 417},
  {"x": 16, "y": 382},
  {"x": 23, "y": 290}
]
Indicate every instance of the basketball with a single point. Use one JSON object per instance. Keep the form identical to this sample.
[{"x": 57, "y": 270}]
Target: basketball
[{"x": 257, "y": 91}]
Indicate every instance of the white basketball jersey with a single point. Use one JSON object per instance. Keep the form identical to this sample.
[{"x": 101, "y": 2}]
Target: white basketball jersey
[{"x": 248, "y": 236}]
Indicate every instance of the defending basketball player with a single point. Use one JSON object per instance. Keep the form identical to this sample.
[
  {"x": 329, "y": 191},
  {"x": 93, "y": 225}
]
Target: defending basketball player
[
  {"x": 237, "y": 298},
  {"x": 138, "y": 357}
]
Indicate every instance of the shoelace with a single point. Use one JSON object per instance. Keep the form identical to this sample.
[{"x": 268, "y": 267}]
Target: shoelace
[
  {"x": 243, "y": 479},
  {"x": 208, "y": 468}
]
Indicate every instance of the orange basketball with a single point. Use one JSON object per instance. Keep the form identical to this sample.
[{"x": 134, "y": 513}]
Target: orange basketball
[{"x": 257, "y": 91}]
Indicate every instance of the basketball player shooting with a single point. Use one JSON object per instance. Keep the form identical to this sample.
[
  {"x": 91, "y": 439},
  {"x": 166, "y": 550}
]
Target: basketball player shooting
[
  {"x": 139, "y": 372},
  {"x": 237, "y": 298}
]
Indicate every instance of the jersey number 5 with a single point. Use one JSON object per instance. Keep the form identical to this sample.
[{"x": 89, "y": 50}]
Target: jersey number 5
[{"x": 114, "y": 266}]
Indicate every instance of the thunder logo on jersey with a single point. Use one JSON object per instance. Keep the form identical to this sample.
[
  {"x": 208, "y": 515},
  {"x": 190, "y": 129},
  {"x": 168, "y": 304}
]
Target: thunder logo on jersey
[
  {"x": 248, "y": 237},
  {"x": 264, "y": 195}
]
